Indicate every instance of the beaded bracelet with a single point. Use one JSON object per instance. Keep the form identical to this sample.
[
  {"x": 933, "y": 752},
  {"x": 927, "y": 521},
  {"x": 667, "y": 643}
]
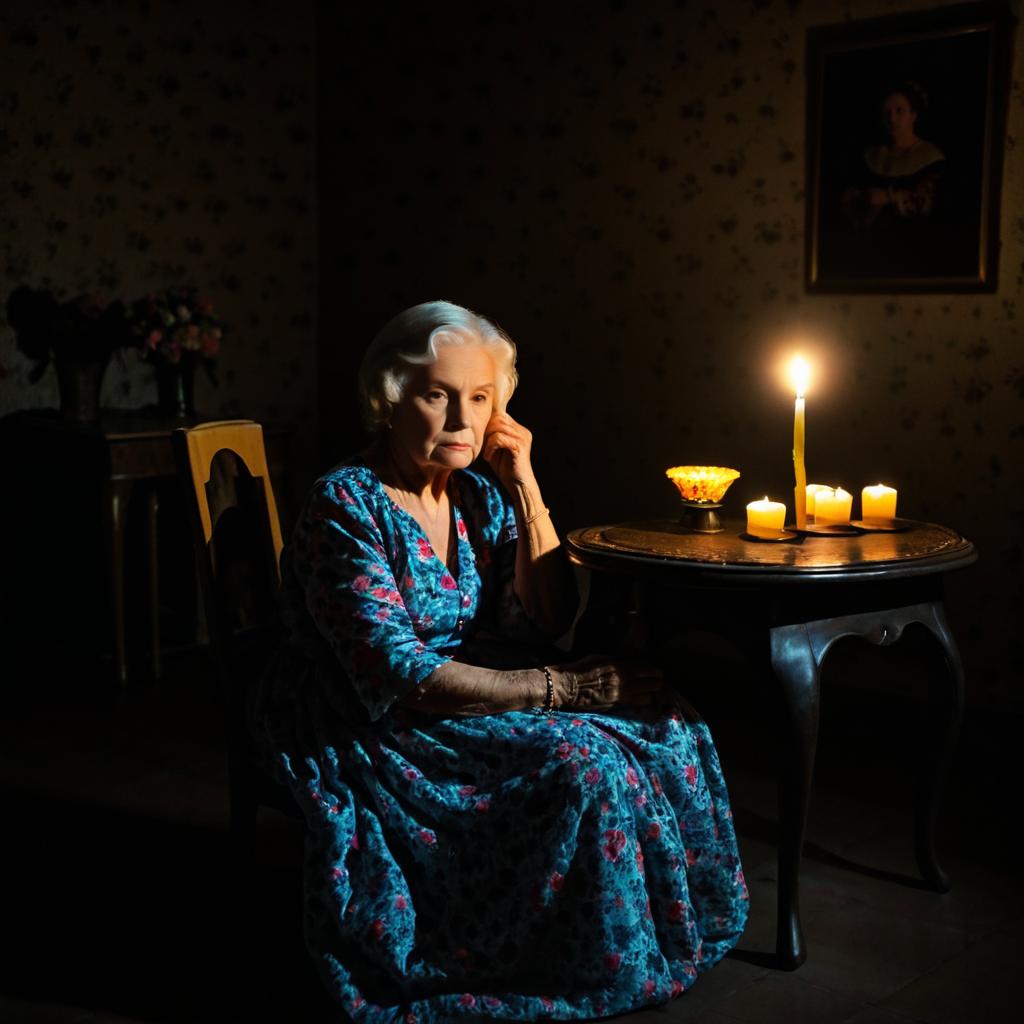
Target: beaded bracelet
[
  {"x": 536, "y": 515},
  {"x": 549, "y": 694}
]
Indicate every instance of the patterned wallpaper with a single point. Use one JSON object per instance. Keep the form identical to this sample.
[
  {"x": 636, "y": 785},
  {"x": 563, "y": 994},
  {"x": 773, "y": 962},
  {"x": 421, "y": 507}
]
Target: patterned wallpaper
[
  {"x": 150, "y": 144},
  {"x": 622, "y": 187}
]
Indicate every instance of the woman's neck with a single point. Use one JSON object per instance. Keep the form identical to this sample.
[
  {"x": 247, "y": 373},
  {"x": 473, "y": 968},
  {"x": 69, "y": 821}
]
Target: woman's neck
[
  {"x": 905, "y": 143},
  {"x": 401, "y": 473}
]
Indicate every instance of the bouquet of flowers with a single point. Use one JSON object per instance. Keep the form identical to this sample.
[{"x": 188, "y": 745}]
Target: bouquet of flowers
[
  {"x": 177, "y": 326},
  {"x": 84, "y": 329}
]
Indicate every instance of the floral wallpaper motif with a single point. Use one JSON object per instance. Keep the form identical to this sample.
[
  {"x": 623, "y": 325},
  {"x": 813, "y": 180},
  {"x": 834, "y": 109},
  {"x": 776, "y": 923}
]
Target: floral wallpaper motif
[
  {"x": 622, "y": 187},
  {"x": 144, "y": 145}
]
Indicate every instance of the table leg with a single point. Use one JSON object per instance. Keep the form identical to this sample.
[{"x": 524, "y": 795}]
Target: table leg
[
  {"x": 948, "y": 701},
  {"x": 119, "y": 492},
  {"x": 154, "y": 581},
  {"x": 796, "y": 667},
  {"x": 797, "y": 653}
]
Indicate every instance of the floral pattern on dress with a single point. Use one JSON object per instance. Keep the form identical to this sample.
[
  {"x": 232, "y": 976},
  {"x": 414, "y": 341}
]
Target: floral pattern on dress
[{"x": 517, "y": 866}]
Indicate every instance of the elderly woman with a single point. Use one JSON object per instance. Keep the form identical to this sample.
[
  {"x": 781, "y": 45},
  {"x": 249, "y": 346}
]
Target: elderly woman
[{"x": 492, "y": 833}]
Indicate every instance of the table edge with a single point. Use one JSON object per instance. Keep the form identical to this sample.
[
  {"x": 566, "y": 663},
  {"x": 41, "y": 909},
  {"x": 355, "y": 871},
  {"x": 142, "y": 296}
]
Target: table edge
[{"x": 625, "y": 562}]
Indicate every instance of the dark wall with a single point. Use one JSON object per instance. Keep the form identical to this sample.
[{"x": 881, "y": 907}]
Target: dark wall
[
  {"x": 148, "y": 144},
  {"x": 622, "y": 186}
]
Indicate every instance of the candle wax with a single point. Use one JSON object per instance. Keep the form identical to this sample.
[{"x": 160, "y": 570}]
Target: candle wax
[
  {"x": 878, "y": 502},
  {"x": 765, "y": 516},
  {"x": 799, "y": 469},
  {"x": 812, "y": 490},
  {"x": 832, "y": 506}
]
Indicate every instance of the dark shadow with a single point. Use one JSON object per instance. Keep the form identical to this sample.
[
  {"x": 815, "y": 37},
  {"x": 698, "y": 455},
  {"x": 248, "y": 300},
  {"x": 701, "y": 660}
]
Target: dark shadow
[
  {"x": 155, "y": 920},
  {"x": 756, "y": 957},
  {"x": 756, "y": 826}
]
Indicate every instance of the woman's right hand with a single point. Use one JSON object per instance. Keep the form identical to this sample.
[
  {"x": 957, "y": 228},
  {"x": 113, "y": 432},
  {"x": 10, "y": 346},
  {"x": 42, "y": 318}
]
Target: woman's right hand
[{"x": 597, "y": 682}]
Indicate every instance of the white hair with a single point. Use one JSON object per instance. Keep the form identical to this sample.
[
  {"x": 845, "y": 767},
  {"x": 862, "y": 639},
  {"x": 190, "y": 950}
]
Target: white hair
[{"x": 411, "y": 339}]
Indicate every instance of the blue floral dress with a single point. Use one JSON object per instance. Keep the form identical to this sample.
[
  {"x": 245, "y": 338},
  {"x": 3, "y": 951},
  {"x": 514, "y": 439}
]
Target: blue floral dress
[{"x": 516, "y": 866}]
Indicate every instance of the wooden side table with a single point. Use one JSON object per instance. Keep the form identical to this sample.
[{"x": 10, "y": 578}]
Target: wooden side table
[{"x": 789, "y": 603}]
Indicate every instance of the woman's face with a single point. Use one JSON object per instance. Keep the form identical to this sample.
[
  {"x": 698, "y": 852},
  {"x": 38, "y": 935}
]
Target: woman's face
[
  {"x": 898, "y": 115},
  {"x": 441, "y": 418}
]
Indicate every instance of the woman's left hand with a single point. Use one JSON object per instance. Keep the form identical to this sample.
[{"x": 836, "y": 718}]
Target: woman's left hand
[{"x": 507, "y": 447}]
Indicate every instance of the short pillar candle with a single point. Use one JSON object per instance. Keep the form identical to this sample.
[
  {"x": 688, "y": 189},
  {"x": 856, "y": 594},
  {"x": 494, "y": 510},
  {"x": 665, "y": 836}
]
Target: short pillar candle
[
  {"x": 878, "y": 502},
  {"x": 765, "y": 516},
  {"x": 832, "y": 506},
  {"x": 812, "y": 492}
]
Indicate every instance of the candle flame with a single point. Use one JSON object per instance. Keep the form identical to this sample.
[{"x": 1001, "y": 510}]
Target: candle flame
[{"x": 799, "y": 374}]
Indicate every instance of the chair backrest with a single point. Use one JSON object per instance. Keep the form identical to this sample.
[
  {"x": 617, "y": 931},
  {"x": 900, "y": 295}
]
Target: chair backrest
[{"x": 236, "y": 532}]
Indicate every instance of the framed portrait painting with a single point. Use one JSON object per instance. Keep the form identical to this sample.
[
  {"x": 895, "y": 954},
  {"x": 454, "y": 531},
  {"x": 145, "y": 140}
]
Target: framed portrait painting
[{"x": 906, "y": 118}]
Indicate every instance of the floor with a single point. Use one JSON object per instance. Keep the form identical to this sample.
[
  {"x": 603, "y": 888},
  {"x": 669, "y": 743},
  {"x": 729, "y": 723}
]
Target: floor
[{"x": 120, "y": 903}]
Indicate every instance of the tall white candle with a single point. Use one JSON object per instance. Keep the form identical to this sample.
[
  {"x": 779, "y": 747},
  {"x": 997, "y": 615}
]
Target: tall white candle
[{"x": 800, "y": 371}]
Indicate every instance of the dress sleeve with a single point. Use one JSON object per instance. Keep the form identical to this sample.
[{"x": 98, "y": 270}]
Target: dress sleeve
[
  {"x": 508, "y": 618},
  {"x": 352, "y": 597}
]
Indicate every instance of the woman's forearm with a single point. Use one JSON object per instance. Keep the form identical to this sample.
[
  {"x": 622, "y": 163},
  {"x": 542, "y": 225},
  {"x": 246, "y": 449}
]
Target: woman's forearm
[
  {"x": 458, "y": 689},
  {"x": 544, "y": 581}
]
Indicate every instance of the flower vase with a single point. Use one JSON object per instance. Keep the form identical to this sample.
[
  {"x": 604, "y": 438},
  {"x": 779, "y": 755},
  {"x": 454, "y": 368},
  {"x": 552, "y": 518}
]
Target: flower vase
[
  {"x": 175, "y": 389},
  {"x": 79, "y": 384}
]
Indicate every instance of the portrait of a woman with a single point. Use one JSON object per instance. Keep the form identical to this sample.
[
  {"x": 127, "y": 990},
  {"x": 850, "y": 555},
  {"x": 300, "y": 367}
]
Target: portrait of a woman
[
  {"x": 902, "y": 176},
  {"x": 495, "y": 829}
]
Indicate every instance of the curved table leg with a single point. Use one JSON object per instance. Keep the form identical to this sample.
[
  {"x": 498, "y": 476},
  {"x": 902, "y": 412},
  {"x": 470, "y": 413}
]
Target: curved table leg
[
  {"x": 948, "y": 699},
  {"x": 797, "y": 653},
  {"x": 796, "y": 665}
]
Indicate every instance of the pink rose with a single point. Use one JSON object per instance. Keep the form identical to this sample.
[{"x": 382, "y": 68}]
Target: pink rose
[{"x": 614, "y": 841}]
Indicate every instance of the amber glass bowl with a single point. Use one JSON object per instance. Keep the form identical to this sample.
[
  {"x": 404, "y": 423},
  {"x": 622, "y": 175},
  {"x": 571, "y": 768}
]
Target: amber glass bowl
[{"x": 703, "y": 484}]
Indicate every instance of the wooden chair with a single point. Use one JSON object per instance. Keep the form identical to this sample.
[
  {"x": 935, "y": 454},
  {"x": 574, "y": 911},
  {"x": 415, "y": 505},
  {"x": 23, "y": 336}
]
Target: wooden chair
[{"x": 237, "y": 538}]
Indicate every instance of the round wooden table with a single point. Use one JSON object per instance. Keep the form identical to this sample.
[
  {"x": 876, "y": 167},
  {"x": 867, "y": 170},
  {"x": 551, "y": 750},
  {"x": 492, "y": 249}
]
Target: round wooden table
[{"x": 790, "y": 602}]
